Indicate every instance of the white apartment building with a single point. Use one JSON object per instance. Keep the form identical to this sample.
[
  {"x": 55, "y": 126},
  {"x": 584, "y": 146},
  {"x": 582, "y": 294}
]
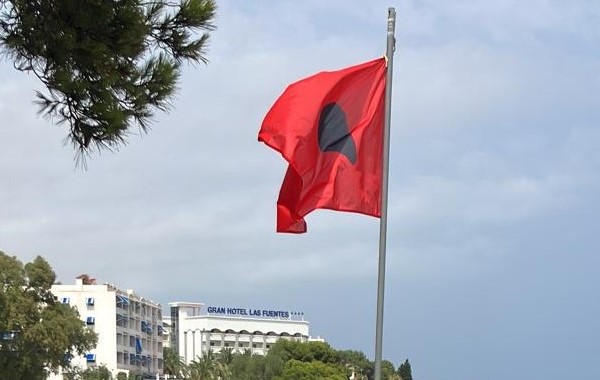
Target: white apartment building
[
  {"x": 129, "y": 327},
  {"x": 193, "y": 331}
]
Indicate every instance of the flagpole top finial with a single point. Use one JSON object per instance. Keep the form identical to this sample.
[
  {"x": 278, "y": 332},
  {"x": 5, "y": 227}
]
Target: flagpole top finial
[{"x": 391, "y": 21}]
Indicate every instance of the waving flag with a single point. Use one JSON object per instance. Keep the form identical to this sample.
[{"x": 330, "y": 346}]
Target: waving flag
[{"x": 329, "y": 128}]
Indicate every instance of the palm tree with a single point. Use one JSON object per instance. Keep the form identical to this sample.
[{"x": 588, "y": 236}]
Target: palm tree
[
  {"x": 203, "y": 367},
  {"x": 173, "y": 363},
  {"x": 222, "y": 371},
  {"x": 211, "y": 366},
  {"x": 225, "y": 356}
]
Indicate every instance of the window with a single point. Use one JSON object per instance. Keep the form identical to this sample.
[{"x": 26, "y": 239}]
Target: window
[
  {"x": 122, "y": 302},
  {"x": 90, "y": 358},
  {"x": 138, "y": 346},
  {"x": 121, "y": 320},
  {"x": 89, "y": 301},
  {"x": 90, "y": 321},
  {"x": 65, "y": 300},
  {"x": 8, "y": 335}
]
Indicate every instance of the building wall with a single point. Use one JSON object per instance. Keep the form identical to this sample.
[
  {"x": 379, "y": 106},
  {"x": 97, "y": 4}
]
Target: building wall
[
  {"x": 124, "y": 322},
  {"x": 195, "y": 332}
]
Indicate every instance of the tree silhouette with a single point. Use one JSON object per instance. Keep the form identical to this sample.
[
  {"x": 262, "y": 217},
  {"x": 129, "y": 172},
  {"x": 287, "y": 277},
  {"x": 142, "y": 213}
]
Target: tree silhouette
[{"x": 106, "y": 65}]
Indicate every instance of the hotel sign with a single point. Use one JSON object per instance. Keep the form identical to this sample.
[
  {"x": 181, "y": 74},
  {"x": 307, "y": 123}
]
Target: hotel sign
[{"x": 248, "y": 312}]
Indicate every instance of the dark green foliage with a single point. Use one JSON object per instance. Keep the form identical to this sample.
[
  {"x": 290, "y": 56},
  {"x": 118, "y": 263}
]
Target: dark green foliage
[
  {"x": 305, "y": 352},
  {"x": 98, "y": 373},
  {"x": 312, "y": 360},
  {"x": 358, "y": 362},
  {"x": 283, "y": 351},
  {"x": 47, "y": 334},
  {"x": 225, "y": 356},
  {"x": 209, "y": 366},
  {"x": 311, "y": 370},
  {"x": 404, "y": 371},
  {"x": 246, "y": 366},
  {"x": 286, "y": 360},
  {"x": 106, "y": 64},
  {"x": 173, "y": 363},
  {"x": 388, "y": 371}
]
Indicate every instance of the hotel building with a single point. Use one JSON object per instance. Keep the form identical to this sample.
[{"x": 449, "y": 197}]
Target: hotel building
[
  {"x": 129, "y": 327},
  {"x": 192, "y": 329}
]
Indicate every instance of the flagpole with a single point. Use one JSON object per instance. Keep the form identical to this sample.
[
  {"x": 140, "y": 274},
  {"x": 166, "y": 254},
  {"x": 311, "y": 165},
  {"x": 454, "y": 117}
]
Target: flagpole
[{"x": 391, "y": 25}]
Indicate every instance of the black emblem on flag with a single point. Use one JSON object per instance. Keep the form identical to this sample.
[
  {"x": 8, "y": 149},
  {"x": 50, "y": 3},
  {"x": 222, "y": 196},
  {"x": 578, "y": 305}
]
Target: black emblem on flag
[{"x": 334, "y": 133}]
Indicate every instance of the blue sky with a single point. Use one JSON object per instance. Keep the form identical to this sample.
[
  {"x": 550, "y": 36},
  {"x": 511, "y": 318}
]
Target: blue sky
[{"x": 492, "y": 254}]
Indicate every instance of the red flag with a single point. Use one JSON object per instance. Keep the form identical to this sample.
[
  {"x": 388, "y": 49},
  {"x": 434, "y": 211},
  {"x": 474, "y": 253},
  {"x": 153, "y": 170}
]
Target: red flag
[{"x": 329, "y": 128}]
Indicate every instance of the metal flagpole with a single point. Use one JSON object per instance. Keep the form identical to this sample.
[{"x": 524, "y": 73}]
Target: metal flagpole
[{"x": 391, "y": 40}]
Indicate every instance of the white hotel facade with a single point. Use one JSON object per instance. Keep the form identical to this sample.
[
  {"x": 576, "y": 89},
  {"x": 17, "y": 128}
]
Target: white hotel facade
[
  {"x": 132, "y": 330},
  {"x": 193, "y": 329},
  {"x": 129, "y": 327}
]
